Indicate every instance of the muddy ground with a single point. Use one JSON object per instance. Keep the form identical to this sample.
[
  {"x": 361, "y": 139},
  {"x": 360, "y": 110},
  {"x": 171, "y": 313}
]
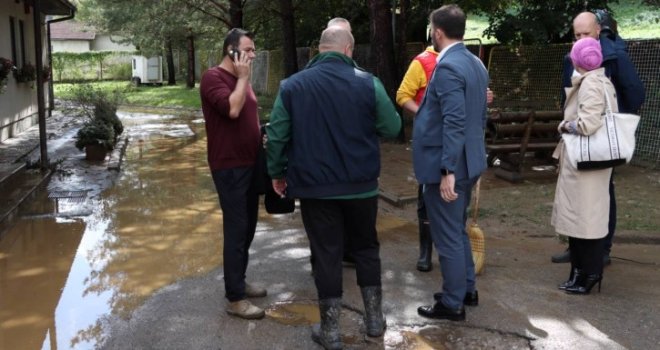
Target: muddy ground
[{"x": 524, "y": 209}]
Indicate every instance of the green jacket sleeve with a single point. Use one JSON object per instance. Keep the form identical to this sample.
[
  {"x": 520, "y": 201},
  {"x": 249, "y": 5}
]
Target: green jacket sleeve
[
  {"x": 388, "y": 122},
  {"x": 279, "y": 133}
]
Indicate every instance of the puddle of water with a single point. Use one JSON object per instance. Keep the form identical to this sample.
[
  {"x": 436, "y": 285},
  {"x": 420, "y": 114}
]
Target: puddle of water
[
  {"x": 306, "y": 313},
  {"x": 159, "y": 223},
  {"x": 410, "y": 340},
  {"x": 295, "y": 313}
]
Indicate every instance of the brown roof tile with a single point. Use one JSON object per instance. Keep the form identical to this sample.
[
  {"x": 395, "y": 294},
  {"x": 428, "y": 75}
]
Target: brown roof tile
[{"x": 71, "y": 30}]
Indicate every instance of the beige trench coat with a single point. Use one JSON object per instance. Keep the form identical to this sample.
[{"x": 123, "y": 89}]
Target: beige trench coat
[{"x": 582, "y": 200}]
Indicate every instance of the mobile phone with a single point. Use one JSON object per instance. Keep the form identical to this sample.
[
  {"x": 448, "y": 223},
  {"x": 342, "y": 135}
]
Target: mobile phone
[{"x": 233, "y": 53}]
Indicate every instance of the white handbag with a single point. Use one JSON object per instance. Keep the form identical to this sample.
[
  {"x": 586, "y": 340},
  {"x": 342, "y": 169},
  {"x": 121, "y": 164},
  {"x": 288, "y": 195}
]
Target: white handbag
[{"x": 611, "y": 145}]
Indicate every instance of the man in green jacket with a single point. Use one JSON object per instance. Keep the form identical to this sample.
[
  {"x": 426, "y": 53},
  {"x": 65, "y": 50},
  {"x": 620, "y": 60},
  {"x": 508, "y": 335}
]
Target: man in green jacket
[{"x": 323, "y": 148}]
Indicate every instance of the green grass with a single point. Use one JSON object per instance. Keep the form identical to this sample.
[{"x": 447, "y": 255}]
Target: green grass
[
  {"x": 177, "y": 96},
  {"x": 474, "y": 28},
  {"x": 635, "y": 19},
  {"x": 150, "y": 96}
]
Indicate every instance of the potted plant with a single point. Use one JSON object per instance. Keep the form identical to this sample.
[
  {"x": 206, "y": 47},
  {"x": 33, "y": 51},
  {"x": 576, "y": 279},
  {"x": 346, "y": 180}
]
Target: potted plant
[
  {"x": 97, "y": 138},
  {"x": 100, "y": 131},
  {"x": 6, "y": 66}
]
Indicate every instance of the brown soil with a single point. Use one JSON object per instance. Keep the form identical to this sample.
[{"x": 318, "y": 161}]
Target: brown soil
[{"x": 524, "y": 209}]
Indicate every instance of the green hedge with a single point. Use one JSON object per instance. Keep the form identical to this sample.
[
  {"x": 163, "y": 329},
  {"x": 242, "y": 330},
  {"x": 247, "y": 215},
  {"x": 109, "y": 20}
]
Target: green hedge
[{"x": 92, "y": 65}]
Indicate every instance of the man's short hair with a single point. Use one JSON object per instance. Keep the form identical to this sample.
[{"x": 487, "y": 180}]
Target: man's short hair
[
  {"x": 336, "y": 38},
  {"x": 451, "y": 19},
  {"x": 233, "y": 38},
  {"x": 339, "y": 21}
]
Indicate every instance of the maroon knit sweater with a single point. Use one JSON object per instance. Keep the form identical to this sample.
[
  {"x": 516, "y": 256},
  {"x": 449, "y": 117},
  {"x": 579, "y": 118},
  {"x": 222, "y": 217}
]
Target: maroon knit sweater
[{"x": 231, "y": 143}]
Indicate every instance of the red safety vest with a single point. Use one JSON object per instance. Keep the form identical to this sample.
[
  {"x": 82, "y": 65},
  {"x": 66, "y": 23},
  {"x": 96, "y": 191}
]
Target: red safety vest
[{"x": 428, "y": 60}]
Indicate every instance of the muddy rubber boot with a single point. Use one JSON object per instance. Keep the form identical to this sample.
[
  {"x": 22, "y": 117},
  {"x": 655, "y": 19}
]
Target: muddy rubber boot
[
  {"x": 424, "y": 263},
  {"x": 373, "y": 311},
  {"x": 327, "y": 332}
]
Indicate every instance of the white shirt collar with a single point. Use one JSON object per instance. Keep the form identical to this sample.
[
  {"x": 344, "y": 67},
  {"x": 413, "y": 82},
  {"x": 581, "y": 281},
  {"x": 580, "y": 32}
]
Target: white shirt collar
[{"x": 442, "y": 53}]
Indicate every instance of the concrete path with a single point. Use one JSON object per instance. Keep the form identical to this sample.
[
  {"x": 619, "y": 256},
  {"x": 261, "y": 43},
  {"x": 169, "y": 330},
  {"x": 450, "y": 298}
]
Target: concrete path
[{"x": 520, "y": 307}]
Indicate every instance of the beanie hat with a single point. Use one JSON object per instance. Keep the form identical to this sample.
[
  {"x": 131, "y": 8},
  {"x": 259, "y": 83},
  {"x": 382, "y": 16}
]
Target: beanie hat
[{"x": 586, "y": 54}]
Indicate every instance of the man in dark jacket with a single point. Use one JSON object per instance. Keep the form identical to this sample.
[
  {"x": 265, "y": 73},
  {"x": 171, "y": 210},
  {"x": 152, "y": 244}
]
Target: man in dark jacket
[
  {"x": 629, "y": 89},
  {"x": 323, "y": 147}
]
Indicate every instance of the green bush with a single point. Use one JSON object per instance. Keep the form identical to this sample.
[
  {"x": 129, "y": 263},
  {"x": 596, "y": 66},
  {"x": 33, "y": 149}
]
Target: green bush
[
  {"x": 106, "y": 111},
  {"x": 96, "y": 132},
  {"x": 120, "y": 71},
  {"x": 99, "y": 107}
]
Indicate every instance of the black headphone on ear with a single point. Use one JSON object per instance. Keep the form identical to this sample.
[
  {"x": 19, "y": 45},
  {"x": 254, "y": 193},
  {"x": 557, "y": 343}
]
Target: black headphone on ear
[{"x": 606, "y": 22}]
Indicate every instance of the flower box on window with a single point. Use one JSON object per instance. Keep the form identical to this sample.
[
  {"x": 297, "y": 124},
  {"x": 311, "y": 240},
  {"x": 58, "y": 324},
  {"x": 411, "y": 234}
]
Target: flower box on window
[{"x": 26, "y": 73}]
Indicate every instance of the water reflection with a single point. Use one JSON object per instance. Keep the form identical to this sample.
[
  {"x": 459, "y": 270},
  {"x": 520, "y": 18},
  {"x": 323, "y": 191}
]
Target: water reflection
[
  {"x": 159, "y": 223},
  {"x": 35, "y": 260}
]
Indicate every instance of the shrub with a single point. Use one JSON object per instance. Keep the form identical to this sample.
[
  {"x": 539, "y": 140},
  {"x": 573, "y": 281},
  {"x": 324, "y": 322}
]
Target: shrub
[
  {"x": 100, "y": 108},
  {"x": 96, "y": 132},
  {"x": 120, "y": 71}
]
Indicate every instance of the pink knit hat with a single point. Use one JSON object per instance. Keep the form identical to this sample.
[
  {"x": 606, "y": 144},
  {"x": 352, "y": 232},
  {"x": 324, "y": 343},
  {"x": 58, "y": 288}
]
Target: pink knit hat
[{"x": 586, "y": 54}]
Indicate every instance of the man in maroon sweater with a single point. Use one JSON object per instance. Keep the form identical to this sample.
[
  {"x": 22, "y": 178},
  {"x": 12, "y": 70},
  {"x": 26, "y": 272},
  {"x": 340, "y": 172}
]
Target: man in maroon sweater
[{"x": 232, "y": 129}]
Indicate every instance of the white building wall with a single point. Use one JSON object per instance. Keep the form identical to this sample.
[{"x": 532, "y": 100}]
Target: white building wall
[
  {"x": 104, "y": 42},
  {"x": 70, "y": 45},
  {"x": 18, "y": 104}
]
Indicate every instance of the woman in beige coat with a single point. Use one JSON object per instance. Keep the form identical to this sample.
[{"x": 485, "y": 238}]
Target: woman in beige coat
[{"x": 581, "y": 206}]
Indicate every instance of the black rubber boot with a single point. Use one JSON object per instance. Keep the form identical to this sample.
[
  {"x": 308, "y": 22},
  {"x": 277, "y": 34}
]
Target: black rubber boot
[
  {"x": 425, "y": 247},
  {"x": 327, "y": 332},
  {"x": 373, "y": 311}
]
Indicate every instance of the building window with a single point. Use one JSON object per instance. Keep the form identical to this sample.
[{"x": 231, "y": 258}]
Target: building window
[
  {"x": 22, "y": 40},
  {"x": 12, "y": 32},
  {"x": 17, "y": 41}
]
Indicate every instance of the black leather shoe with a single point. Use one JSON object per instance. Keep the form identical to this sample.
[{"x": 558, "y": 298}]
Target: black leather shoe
[
  {"x": 585, "y": 285},
  {"x": 576, "y": 275},
  {"x": 561, "y": 258},
  {"x": 441, "y": 312},
  {"x": 471, "y": 299}
]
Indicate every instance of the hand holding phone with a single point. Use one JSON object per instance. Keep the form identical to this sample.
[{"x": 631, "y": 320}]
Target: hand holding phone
[{"x": 234, "y": 54}]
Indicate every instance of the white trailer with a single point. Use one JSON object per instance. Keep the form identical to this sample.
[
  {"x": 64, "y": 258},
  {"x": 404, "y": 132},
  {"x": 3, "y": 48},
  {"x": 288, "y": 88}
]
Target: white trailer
[{"x": 147, "y": 70}]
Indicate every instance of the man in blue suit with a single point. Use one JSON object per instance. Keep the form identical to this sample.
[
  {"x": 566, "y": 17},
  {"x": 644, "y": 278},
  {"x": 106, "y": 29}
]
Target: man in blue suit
[{"x": 449, "y": 156}]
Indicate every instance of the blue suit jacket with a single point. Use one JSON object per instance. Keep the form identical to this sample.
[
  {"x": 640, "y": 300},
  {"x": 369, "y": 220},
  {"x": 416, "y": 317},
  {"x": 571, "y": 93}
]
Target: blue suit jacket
[{"x": 448, "y": 132}]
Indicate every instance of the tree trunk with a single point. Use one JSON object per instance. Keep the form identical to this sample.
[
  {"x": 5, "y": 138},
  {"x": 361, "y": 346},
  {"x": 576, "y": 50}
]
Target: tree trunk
[
  {"x": 289, "y": 38},
  {"x": 402, "y": 59},
  {"x": 236, "y": 13},
  {"x": 382, "y": 46},
  {"x": 169, "y": 57},
  {"x": 190, "y": 79},
  {"x": 402, "y": 23}
]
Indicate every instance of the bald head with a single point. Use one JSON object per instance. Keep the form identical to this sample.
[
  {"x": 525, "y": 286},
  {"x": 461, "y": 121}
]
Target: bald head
[
  {"x": 585, "y": 25},
  {"x": 337, "y": 39},
  {"x": 340, "y": 22}
]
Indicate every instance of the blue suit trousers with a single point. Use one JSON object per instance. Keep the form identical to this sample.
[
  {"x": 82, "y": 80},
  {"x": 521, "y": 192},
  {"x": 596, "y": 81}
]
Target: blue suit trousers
[{"x": 448, "y": 230}]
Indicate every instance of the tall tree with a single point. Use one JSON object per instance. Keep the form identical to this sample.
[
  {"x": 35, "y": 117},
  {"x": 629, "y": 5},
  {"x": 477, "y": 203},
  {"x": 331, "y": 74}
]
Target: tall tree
[
  {"x": 231, "y": 16},
  {"x": 153, "y": 26},
  {"x": 288, "y": 38},
  {"x": 516, "y": 22},
  {"x": 382, "y": 44}
]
